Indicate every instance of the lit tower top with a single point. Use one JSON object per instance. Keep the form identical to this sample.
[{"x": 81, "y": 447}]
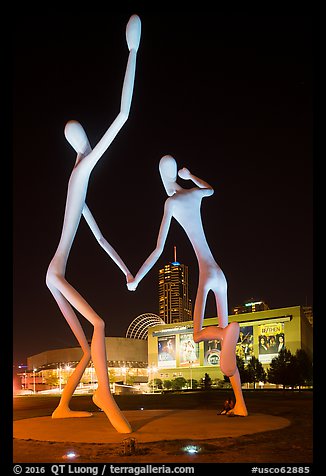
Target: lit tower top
[
  {"x": 175, "y": 262},
  {"x": 174, "y": 302}
]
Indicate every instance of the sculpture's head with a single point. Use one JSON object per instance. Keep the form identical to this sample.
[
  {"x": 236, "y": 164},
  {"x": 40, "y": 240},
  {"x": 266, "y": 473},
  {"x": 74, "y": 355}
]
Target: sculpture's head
[
  {"x": 168, "y": 171},
  {"x": 77, "y": 138}
]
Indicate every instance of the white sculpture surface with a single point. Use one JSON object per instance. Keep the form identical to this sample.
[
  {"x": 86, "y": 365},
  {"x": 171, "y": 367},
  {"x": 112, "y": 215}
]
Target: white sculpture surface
[
  {"x": 184, "y": 205},
  {"x": 63, "y": 292}
]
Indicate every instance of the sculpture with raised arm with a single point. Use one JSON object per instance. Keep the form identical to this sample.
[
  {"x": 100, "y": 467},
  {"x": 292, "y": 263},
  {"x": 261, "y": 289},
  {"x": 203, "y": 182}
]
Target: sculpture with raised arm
[
  {"x": 184, "y": 205},
  {"x": 63, "y": 292}
]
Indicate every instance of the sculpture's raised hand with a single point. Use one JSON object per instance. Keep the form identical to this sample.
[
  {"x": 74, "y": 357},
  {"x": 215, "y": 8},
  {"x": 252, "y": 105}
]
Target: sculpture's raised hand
[
  {"x": 133, "y": 32},
  {"x": 132, "y": 285},
  {"x": 184, "y": 173}
]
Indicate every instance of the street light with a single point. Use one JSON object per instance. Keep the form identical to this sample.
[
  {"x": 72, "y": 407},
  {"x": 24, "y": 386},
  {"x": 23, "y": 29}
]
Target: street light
[
  {"x": 59, "y": 371},
  {"x": 34, "y": 370},
  {"x": 190, "y": 365},
  {"x": 124, "y": 373},
  {"x": 91, "y": 370},
  {"x": 151, "y": 370}
]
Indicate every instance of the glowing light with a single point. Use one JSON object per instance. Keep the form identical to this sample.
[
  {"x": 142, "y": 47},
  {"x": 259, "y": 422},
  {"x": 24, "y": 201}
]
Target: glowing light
[
  {"x": 191, "y": 449},
  {"x": 70, "y": 455},
  {"x": 253, "y": 303}
]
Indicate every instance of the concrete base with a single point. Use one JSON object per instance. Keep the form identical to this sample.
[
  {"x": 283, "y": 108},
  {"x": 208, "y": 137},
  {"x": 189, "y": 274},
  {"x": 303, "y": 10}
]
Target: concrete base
[{"x": 148, "y": 426}]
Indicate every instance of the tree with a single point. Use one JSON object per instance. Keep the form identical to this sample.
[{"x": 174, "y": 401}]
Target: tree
[
  {"x": 242, "y": 368},
  {"x": 283, "y": 369},
  {"x": 52, "y": 380},
  {"x": 192, "y": 383},
  {"x": 130, "y": 379},
  {"x": 167, "y": 384},
  {"x": 158, "y": 383},
  {"x": 305, "y": 369},
  {"x": 112, "y": 375},
  {"x": 178, "y": 383},
  {"x": 254, "y": 372},
  {"x": 206, "y": 382},
  {"x": 223, "y": 383}
]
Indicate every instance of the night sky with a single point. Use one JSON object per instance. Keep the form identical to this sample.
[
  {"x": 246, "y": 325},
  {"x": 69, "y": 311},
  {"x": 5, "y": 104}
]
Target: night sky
[{"x": 229, "y": 96}]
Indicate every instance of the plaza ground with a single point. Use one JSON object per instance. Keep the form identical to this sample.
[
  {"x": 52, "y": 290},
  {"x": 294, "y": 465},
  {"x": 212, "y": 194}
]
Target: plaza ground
[{"x": 292, "y": 443}]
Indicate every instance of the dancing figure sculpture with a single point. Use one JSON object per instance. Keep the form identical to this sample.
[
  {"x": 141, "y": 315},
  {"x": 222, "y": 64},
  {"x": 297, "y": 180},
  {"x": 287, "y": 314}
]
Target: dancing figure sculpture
[
  {"x": 184, "y": 205},
  {"x": 63, "y": 292}
]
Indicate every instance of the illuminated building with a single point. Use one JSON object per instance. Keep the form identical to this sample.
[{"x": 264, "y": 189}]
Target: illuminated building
[
  {"x": 167, "y": 351},
  {"x": 263, "y": 334},
  {"x": 138, "y": 328},
  {"x": 251, "y": 305},
  {"x": 126, "y": 361},
  {"x": 174, "y": 303}
]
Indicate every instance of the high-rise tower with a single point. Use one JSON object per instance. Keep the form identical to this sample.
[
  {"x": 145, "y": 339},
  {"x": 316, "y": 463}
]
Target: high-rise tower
[{"x": 174, "y": 302}]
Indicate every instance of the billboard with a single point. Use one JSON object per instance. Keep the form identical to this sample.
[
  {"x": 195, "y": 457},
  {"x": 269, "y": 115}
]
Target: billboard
[
  {"x": 166, "y": 352},
  {"x": 270, "y": 341},
  {"x": 244, "y": 348},
  {"x": 188, "y": 351},
  {"x": 245, "y": 344},
  {"x": 212, "y": 349}
]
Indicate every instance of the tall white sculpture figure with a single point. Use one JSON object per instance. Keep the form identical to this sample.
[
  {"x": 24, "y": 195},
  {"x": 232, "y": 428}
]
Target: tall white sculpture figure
[
  {"x": 184, "y": 205},
  {"x": 66, "y": 296}
]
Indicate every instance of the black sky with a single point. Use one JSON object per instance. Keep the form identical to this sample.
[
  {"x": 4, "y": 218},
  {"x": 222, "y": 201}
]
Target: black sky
[{"x": 229, "y": 96}]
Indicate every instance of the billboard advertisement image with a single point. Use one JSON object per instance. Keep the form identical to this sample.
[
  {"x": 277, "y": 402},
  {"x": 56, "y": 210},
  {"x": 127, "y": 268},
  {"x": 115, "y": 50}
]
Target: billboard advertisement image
[
  {"x": 212, "y": 349},
  {"x": 270, "y": 341},
  {"x": 245, "y": 345},
  {"x": 189, "y": 351},
  {"x": 166, "y": 352},
  {"x": 244, "y": 348}
]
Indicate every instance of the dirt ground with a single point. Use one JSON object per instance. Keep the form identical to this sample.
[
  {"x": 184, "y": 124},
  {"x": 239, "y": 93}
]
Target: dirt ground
[{"x": 292, "y": 444}]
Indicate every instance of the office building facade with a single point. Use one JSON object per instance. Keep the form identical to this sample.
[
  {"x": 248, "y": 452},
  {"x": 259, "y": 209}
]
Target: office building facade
[{"x": 174, "y": 302}]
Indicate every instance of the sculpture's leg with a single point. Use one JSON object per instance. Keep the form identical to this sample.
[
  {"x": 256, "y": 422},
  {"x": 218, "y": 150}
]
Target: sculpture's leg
[
  {"x": 63, "y": 410},
  {"x": 220, "y": 290},
  {"x": 210, "y": 332},
  {"x": 102, "y": 397},
  {"x": 206, "y": 333},
  {"x": 228, "y": 361},
  {"x": 240, "y": 406},
  {"x": 228, "y": 334}
]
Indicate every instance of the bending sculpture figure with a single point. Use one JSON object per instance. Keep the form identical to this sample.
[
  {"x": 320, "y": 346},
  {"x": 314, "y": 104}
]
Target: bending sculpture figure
[
  {"x": 184, "y": 205},
  {"x": 65, "y": 295}
]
